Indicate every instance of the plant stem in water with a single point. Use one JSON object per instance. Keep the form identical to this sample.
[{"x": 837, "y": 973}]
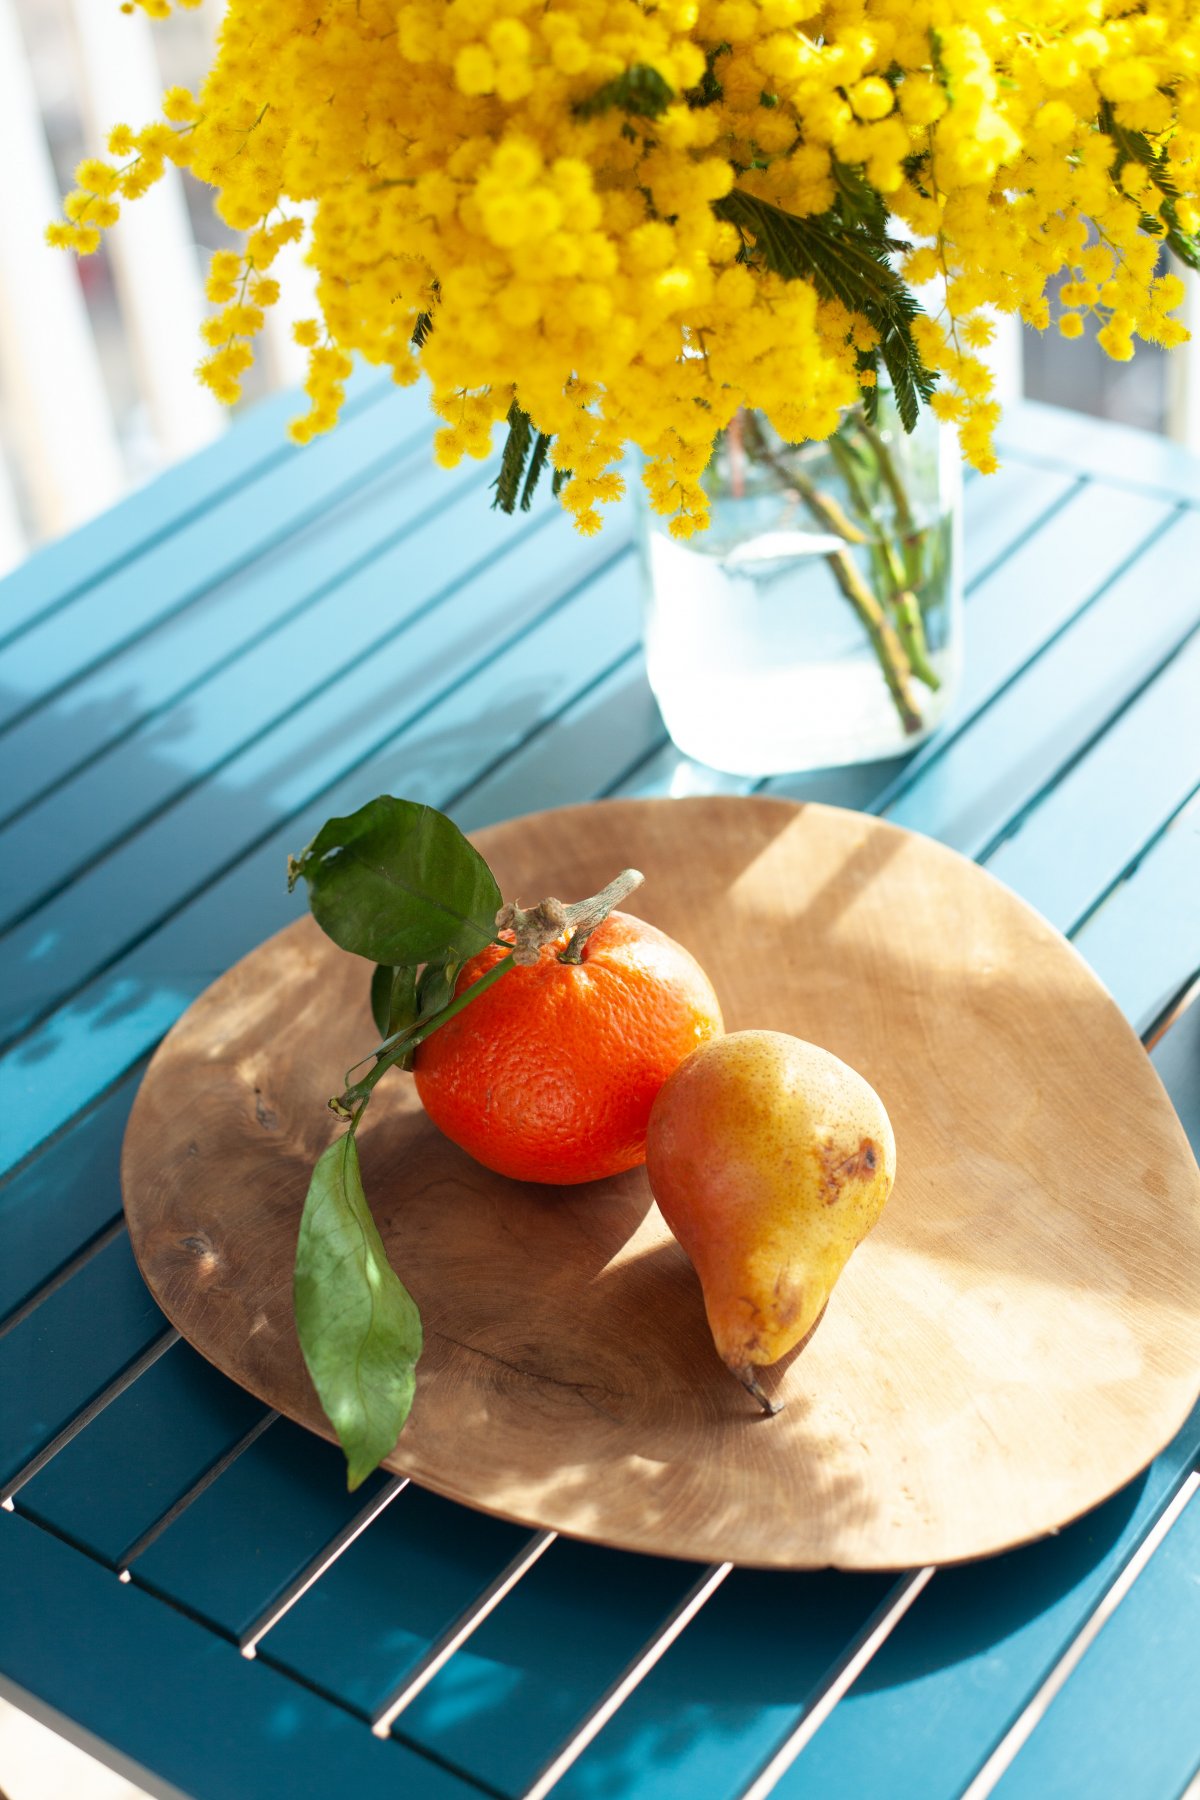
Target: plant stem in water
[
  {"x": 896, "y": 577},
  {"x": 886, "y": 641},
  {"x": 890, "y": 476}
]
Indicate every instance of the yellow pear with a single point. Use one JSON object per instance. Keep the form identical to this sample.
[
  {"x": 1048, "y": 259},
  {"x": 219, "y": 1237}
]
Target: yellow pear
[{"x": 770, "y": 1160}]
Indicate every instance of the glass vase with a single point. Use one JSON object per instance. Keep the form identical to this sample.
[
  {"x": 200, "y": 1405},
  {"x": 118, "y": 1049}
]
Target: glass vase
[{"x": 817, "y": 622}]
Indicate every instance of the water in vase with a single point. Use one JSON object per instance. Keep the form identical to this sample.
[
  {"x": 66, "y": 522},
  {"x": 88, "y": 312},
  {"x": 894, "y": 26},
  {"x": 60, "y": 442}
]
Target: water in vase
[{"x": 816, "y": 622}]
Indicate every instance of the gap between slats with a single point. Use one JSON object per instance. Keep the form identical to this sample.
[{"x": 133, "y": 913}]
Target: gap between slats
[
  {"x": 838, "y": 1682},
  {"x": 325, "y": 1558},
  {"x": 543, "y": 726},
  {"x": 1172, "y": 1012},
  {"x": 635, "y": 1672},
  {"x": 457, "y": 1633},
  {"x": 631, "y": 771},
  {"x": 61, "y": 1276},
  {"x": 986, "y": 570},
  {"x": 203, "y": 1481},
  {"x": 1131, "y": 867}
]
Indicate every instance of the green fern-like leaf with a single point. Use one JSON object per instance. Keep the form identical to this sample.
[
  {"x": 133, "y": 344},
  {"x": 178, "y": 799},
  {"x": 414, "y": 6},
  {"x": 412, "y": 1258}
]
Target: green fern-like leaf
[
  {"x": 641, "y": 91},
  {"x": 709, "y": 88},
  {"x": 517, "y": 447},
  {"x": 1134, "y": 146},
  {"x": 858, "y": 205},
  {"x": 846, "y": 264},
  {"x": 537, "y": 462}
]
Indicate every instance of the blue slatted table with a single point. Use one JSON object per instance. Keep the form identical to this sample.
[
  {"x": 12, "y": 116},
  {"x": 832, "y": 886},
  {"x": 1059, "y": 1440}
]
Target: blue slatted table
[{"x": 188, "y": 686}]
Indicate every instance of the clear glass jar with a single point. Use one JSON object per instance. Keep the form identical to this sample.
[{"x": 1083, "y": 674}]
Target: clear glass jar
[{"x": 817, "y": 621}]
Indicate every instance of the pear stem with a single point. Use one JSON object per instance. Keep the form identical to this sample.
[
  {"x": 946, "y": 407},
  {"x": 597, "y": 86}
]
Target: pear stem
[{"x": 749, "y": 1381}]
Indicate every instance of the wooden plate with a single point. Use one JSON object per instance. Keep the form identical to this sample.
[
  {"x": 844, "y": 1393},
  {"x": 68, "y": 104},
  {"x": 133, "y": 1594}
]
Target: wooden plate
[{"x": 1018, "y": 1337}]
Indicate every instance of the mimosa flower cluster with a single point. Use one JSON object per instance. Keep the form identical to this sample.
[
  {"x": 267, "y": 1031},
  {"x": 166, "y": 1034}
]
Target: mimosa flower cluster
[{"x": 611, "y": 222}]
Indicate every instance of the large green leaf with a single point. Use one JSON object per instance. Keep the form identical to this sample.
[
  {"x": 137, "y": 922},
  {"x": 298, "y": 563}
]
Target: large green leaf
[
  {"x": 359, "y": 1327},
  {"x": 399, "y": 883}
]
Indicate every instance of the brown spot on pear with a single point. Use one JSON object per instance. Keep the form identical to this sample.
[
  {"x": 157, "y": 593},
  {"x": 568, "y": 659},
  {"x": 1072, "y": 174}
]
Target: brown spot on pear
[{"x": 770, "y": 1160}]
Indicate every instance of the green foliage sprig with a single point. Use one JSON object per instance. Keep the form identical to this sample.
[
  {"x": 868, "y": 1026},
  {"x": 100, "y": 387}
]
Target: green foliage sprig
[
  {"x": 638, "y": 90},
  {"x": 1135, "y": 147},
  {"x": 398, "y": 884},
  {"x": 522, "y": 464},
  {"x": 844, "y": 261},
  {"x": 518, "y": 448}
]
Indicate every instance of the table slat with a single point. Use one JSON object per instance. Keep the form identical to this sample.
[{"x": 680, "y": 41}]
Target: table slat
[
  {"x": 1054, "y": 437},
  {"x": 54, "y": 1206},
  {"x": 1128, "y": 1720},
  {"x": 180, "y": 1701},
  {"x": 367, "y": 1622},
  {"x": 140, "y": 1435},
  {"x": 139, "y": 713},
  {"x": 1010, "y": 753},
  {"x": 55, "y": 1362},
  {"x": 585, "y": 747},
  {"x": 1001, "y": 510},
  {"x": 57, "y": 571},
  {"x": 253, "y": 519},
  {"x": 247, "y": 1536}
]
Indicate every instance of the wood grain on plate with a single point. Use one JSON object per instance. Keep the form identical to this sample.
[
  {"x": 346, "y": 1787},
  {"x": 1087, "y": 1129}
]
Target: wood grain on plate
[{"x": 1017, "y": 1338}]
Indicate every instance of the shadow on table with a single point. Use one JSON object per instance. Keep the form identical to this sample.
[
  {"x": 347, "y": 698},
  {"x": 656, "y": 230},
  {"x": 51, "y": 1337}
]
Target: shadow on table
[
  {"x": 142, "y": 878},
  {"x": 739, "y": 1679},
  {"x": 972, "y": 1609}
]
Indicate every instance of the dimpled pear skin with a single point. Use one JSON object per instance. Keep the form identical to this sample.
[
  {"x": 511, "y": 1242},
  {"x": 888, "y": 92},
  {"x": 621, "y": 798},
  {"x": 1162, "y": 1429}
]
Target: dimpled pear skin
[{"x": 770, "y": 1160}]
